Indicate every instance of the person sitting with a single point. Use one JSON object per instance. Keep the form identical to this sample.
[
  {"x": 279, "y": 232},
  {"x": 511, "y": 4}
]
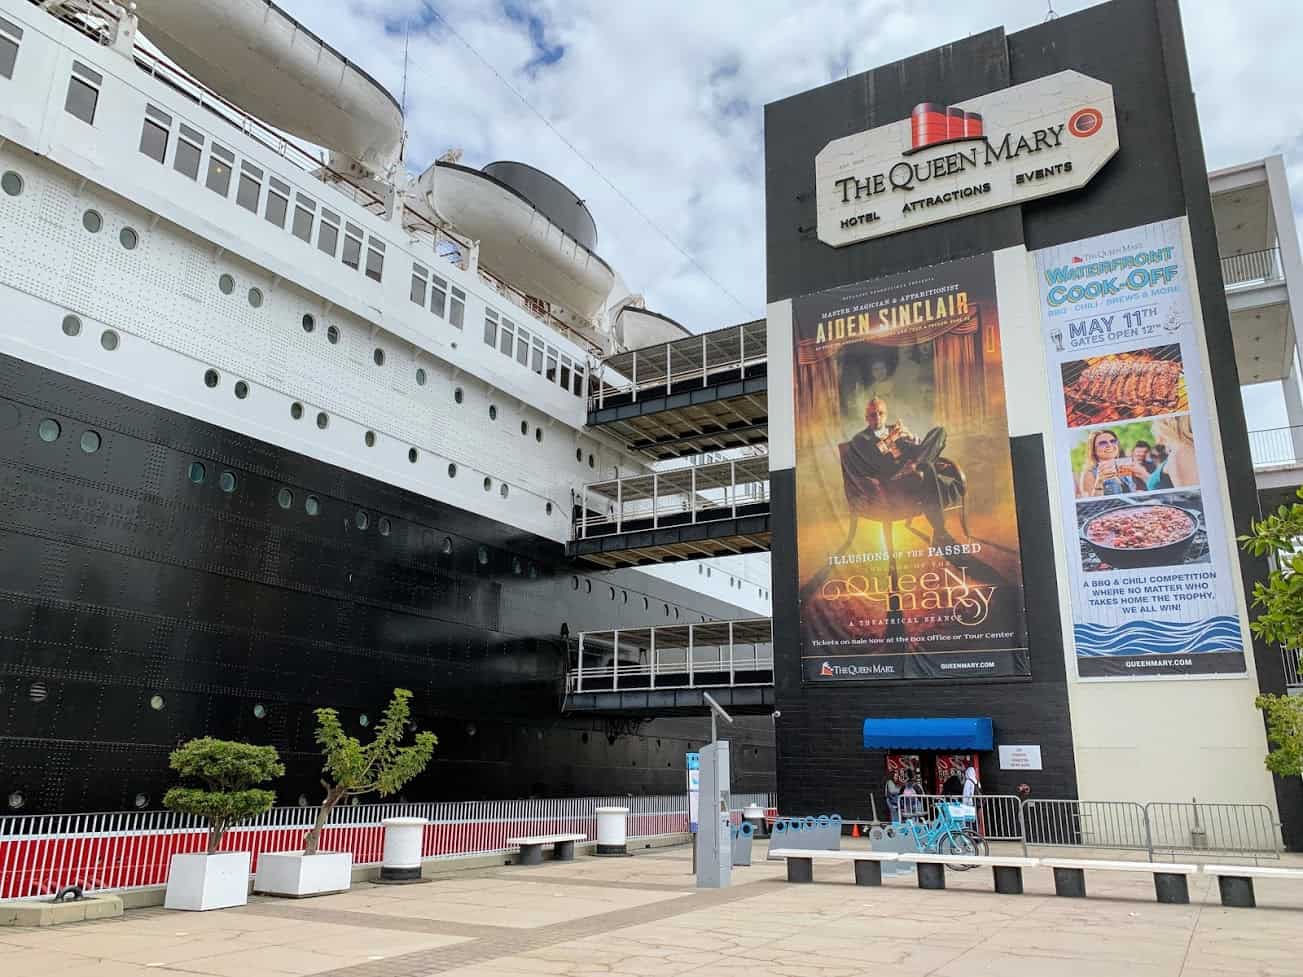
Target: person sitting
[{"x": 885, "y": 465}]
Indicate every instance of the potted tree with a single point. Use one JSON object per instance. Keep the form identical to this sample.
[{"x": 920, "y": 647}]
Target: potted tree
[
  {"x": 211, "y": 879},
  {"x": 351, "y": 769}
]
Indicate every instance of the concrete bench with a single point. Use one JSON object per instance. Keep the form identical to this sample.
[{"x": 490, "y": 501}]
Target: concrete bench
[
  {"x": 1171, "y": 880},
  {"x": 1235, "y": 882},
  {"x": 800, "y": 863},
  {"x": 531, "y": 847},
  {"x": 1006, "y": 870}
]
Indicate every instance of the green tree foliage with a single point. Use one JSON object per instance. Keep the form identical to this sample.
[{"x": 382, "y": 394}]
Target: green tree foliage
[
  {"x": 228, "y": 772},
  {"x": 382, "y": 766},
  {"x": 1280, "y": 537}
]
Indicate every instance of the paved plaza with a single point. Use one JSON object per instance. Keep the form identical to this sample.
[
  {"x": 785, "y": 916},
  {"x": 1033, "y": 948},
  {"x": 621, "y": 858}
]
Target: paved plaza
[{"x": 642, "y": 917}]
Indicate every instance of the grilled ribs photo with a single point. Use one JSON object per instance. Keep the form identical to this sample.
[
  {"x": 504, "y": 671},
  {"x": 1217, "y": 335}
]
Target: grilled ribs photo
[{"x": 1139, "y": 384}]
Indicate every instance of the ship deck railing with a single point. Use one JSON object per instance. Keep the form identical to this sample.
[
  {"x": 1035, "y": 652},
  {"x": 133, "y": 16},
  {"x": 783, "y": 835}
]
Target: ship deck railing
[
  {"x": 681, "y": 365},
  {"x": 678, "y": 497},
  {"x": 675, "y": 656}
]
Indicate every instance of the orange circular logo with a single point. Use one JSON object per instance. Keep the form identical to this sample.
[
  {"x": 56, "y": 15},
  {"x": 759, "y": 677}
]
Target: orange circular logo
[{"x": 1085, "y": 122}]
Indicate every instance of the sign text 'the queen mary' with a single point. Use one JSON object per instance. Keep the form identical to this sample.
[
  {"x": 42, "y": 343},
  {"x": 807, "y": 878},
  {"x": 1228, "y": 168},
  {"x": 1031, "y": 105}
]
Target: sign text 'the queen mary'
[{"x": 945, "y": 161}]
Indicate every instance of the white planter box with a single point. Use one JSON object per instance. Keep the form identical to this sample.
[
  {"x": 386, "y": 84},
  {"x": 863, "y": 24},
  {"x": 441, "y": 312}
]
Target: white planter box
[
  {"x": 202, "y": 881},
  {"x": 292, "y": 873}
]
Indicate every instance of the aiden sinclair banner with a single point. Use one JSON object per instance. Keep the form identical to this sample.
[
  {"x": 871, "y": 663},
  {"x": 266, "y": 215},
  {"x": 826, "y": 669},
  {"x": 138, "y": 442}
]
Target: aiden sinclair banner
[{"x": 907, "y": 536}]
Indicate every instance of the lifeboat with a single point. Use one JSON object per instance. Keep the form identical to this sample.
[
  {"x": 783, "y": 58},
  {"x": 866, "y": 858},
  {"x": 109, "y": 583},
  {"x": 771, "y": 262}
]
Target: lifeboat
[
  {"x": 638, "y": 328},
  {"x": 532, "y": 230},
  {"x": 255, "y": 55}
]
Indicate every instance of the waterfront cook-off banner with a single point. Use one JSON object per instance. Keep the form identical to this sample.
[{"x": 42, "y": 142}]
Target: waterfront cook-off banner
[
  {"x": 907, "y": 535},
  {"x": 1150, "y": 569}
]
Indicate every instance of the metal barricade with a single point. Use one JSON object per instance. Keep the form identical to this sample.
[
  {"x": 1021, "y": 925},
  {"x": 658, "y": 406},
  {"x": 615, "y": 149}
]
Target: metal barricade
[
  {"x": 1116, "y": 825},
  {"x": 999, "y": 816},
  {"x": 1236, "y": 830}
]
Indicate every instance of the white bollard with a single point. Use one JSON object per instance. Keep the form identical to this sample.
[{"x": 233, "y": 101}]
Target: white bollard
[
  {"x": 612, "y": 831},
  {"x": 401, "y": 861}
]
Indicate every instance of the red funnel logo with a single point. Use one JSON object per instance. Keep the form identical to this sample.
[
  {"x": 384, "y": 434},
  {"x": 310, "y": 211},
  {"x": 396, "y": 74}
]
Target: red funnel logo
[
  {"x": 825, "y": 670},
  {"x": 930, "y": 124}
]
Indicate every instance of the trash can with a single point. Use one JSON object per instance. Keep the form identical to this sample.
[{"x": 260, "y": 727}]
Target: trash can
[
  {"x": 754, "y": 815},
  {"x": 742, "y": 837},
  {"x": 612, "y": 831},
  {"x": 401, "y": 858}
]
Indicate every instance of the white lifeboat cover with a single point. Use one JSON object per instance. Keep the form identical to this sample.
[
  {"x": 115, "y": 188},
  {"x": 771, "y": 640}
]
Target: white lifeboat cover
[{"x": 254, "y": 54}]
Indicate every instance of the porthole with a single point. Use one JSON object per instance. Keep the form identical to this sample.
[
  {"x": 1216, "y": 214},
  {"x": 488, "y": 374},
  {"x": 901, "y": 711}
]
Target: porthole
[
  {"x": 457, "y": 395},
  {"x": 16, "y": 800},
  {"x": 533, "y": 572},
  {"x": 488, "y": 483},
  {"x": 592, "y": 462},
  {"x": 516, "y": 566},
  {"x": 574, "y": 583},
  {"x": 385, "y": 526},
  {"x": 370, "y": 439},
  {"x": 588, "y": 586},
  {"x": 323, "y": 419},
  {"x": 482, "y": 555},
  {"x": 524, "y": 427},
  {"x": 538, "y": 435},
  {"x": 548, "y": 507},
  {"x": 303, "y": 800},
  {"x": 420, "y": 376},
  {"x": 37, "y": 692},
  {"x": 612, "y": 590},
  {"x": 364, "y": 720},
  {"x": 676, "y": 613},
  {"x": 90, "y": 442},
  {"x": 49, "y": 430},
  {"x": 197, "y": 472},
  {"x": 452, "y": 470},
  {"x": 361, "y": 519},
  {"x": 493, "y": 412},
  {"x": 470, "y": 729},
  {"x": 141, "y": 801},
  {"x": 284, "y": 498},
  {"x": 156, "y": 703},
  {"x": 211, "y": 378},
  {"x": 311, "y": 506},
  {"x": 296, "y": 410},
  {"x": 412, "y": 455},
  {"x": 579, "y": 455},
  {"x": 241, "y": 389},
  {"x": 667, "y": 609},
  {"x": 583, "y": 737},
  {"x": 646, "y": 604},
  {"x": 378, "y": 356},
  {"x": 332, "y": 335},
  {"x": 92, "y": 221},
  {"x": 446, "y": 546},
  {"x": 504, "y": 490},
  {"x": 109, "y": 340},
  {"x": 226, "y": 482},
  {"x": 624, "y": 597},
  {"x": 255, "y": 297},
  {"x": 309, "y": 323},
  {"x": 128, "y": 238},
  {"x": 259, "y": 711},
  {"x": 12, "y": 183},
  {"x": 226, "y": 284},
  {"x": 71, "y": 325}
]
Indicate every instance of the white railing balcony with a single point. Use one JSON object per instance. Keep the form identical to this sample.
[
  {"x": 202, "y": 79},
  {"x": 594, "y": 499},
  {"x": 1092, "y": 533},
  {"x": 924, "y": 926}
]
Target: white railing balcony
[
  {"x": 1277, "y": 447},
  {"x": 675, "y": 656},
  {"x": 1293, "y": 668},
  {"x": 1252, "y": 268},
  {"x": 683, "y": 496}
]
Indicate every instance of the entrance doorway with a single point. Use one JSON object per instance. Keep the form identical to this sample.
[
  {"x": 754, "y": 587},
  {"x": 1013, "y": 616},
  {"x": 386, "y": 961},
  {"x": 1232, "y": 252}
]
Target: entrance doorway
[{"x": 931, "y": 771}]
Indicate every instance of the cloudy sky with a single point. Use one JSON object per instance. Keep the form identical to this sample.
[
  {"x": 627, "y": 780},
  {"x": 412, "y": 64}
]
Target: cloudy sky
[{"x": 665, "y": 98}]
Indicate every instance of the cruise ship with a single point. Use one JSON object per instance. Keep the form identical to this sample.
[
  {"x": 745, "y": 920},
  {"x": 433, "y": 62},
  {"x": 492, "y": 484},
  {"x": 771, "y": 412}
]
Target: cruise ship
[{"x": 285, "y": 424}]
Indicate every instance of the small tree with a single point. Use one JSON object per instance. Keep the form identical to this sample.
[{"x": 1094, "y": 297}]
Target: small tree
[
  {"x": 382, "y": 766},
  {"x": 1279, "y": 536},
  {"x": 228, "y": 771}
]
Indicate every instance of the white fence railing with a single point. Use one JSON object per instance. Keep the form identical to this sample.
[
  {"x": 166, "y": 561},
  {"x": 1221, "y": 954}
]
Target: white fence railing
[{"x": 40, "y": 854}]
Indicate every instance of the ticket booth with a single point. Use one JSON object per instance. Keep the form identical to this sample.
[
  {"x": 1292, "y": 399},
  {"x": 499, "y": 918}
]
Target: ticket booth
[{"x": 930, "y": 752}]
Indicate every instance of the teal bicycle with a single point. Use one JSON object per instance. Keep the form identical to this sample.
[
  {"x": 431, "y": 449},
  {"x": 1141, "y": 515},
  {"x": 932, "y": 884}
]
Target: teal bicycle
[{"x": 953, "y": 831}]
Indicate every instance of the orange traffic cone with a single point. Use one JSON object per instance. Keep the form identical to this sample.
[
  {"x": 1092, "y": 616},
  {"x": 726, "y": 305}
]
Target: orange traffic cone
[{"x": 855, "y": 830}]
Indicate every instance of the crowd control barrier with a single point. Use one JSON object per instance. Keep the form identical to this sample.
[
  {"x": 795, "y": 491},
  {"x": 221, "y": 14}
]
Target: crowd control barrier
[{"x": 821, "y": 833}]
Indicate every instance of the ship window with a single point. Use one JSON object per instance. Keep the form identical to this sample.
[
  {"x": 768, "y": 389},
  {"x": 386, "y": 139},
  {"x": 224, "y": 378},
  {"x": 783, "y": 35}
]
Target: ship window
[
  {"x": 579, "y": 455},
  {"x": 420, "y": 376},
  {"x": 284, "y": 498},
  {"x": 323, "y": 419},
  {"x": 504, "y": 490},
  {"x": 17, "y": 800},
  {"x": 255, "y": 297},
  {"x": 352, "y": 255},
  {"x": 488, "y": 484},
  {"x": 522, "y": 347},
  {"x": 588, "y": 586},
  {"x": 549, "y": 508},
  {"x": 128, "y": 238},
  {"x": 490, "y": 328},
  {"x": 370, "y": 439},
  {"x": 296, "y": 410},
  {"x": 226, "y": 482},
  {"x": 551, "y": 364},
  {"x": 109, "y": 340},
  {"x": 452, "y": 470},
  {"x": 438, "y": 296},
  {"x": 154, "y": 133},
  {"x": 378, "y": 356},
  {"x": 49, "y": 430},
  {"x": 446, "y": 546},
  {"x": 278, "y": 202},
  {"x": 71, "y": 325},
  {"x": 457, "y": 308},
  {"x": 92, "y": 221},
  {"x": 332, "y": 335},
  {"x": 241, "y": 389},
  {"x": 210, "y": 378},
  {"x": 385, "y": 526},
  {"x": 579, "y": 381},
  {"x": 417, "y": 292},
  {"x": 220, "y": 162},
  {"x": 259, "y": 711},
  {"x": 574, "y": 583},
  {"x": 361, "y": 519},
  {"x": 457, "y": 395},
  {"x": 375, "y": 259},
  {"x": 413, "y": 455},
  {"x": 536, "y": 363},
  {"x": 508, "y": 337},
  {"x": 303, "y": 211},
  {"x": 90, "y": 442},
  {"x": 592, "y": 463},
  {"x": 197, "y": 472},
  {"x": 493, "y": 412},
  {"x": 524, "y": 427},
  {"x": 565, "y": 372},
  {"x": 328, "y": 232},
  {"x": 186, "y": 160},
  {"x": 250, "y": 188},
  {"x": 538, "y": 435},
  {"x": 311, "y": 506},
  {"x": 156, "y": 703},
  {"x": 482, "y": 554},
  {"x": 309, "y": 323},
  {"x": 83, "y": 93},
  {"x": 226, "y": 284},
  {"x": 12, "y": 183},
  {"x": 9, "y": 46}
]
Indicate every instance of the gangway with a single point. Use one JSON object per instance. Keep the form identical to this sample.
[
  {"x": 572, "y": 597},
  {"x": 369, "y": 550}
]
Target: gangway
[
  {"x": 694, "y": 395},
  {"x": 688, "y": 513},
  {"x": 664, "y": 670}
]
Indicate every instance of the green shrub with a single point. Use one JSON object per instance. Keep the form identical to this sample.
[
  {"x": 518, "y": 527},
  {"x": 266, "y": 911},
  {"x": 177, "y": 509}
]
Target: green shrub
[{"x": 228, "y": 772}]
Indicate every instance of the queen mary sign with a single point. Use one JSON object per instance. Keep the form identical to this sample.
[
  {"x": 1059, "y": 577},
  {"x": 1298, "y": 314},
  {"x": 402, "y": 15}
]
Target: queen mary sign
[{"x": 946, "y": 161}]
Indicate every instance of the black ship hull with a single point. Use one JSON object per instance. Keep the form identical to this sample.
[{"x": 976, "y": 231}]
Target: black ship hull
[{"x": 170, "y": 584}]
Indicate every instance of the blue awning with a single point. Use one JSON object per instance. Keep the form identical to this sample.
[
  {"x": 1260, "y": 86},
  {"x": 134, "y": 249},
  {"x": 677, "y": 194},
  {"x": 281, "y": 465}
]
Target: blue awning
[{"x": 927, "y": 734}]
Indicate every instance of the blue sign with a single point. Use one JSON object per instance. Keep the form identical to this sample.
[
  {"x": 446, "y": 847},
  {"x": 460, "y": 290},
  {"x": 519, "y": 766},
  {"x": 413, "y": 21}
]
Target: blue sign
[{"x": 694, "y": 789}]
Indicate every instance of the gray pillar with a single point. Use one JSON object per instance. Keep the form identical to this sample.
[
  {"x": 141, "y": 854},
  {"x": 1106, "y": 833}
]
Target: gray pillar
[
  {"x": 1008, "y": 879},
  {"x": 1237, "y": 891},
  {"x": 1070, "y": 882},
  {"x": 931, "y": 875},
  {"x": 1171, "y": 888},
  {"x": 868, "y": 873},
  {"x": 800, "y": 870}
]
